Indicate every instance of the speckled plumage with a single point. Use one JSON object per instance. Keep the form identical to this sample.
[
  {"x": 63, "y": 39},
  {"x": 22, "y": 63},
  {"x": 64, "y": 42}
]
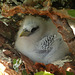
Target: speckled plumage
[{"x": 44, "y": 44}]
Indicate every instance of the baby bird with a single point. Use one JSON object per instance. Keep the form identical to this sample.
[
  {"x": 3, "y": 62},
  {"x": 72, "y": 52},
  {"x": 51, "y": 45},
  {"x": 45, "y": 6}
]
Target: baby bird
[{"x": 39, "y": 40}]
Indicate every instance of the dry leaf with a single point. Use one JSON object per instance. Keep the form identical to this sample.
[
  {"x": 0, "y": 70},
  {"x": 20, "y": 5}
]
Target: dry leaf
[{"x": 40, "y": 66}]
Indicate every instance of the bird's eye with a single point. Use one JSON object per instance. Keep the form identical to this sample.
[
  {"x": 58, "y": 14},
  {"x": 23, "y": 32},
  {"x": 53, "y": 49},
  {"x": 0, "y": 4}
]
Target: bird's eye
[
  {"x": 34, "y": 29},
  {"x": 25, "y": 30}
]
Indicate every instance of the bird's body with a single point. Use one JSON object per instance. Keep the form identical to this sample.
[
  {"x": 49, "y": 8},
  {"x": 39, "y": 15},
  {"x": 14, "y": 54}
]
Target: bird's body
[{"x": 41, "y": 42}]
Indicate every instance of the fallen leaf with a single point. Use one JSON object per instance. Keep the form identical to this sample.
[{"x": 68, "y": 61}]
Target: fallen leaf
[
  {"x": 49, "y": 68},
  {"x": 7, "y": 53},
  {"x": 52, "y": 68},
  {"x": 10, "y": 54},
  {"x": 40, "y": 66}
]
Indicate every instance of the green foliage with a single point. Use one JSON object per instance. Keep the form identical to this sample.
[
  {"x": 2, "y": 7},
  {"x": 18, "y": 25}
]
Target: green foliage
[
  {"x": 48, "y": 73},
  {"x": 71, "y": 13},
  {"x": 14, "y": 61},
  {"x": 16, "y": 64},
  {"x": 43, "y": 73},
  {"x": 69, "y": 73}
]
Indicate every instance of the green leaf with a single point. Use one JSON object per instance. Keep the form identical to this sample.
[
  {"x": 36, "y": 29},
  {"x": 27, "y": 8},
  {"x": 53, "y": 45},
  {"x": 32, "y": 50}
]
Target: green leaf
[
  {"x": 16, "y": 64},
  {"x": 69, "y": 73},
  {"x": 43, "y": 73},
  {"x": 14, "y": 61},
  {"x": 71, "y": 12}
]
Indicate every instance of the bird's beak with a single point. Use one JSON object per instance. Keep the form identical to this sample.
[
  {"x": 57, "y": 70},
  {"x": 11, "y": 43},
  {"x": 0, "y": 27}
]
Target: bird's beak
[{"x": 25, "y": 33}]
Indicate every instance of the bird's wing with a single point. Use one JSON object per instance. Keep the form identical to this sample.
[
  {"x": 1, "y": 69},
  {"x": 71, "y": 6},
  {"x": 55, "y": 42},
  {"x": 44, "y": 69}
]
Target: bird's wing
[{"x": 47, "y": 44}]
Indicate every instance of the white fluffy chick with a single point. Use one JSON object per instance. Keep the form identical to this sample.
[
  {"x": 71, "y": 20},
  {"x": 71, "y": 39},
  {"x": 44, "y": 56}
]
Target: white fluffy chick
[{"x": 39, "y": 40}]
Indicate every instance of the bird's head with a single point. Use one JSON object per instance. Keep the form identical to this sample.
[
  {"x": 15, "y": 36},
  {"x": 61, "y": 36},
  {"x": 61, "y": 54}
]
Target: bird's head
[{"x": 31, "y": 25}]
